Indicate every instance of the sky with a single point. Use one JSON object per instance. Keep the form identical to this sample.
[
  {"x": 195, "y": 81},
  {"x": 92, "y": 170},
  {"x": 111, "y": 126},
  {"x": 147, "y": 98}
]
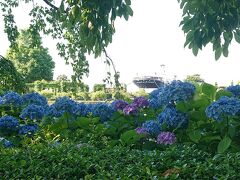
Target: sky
[{"x": 140, "y": 46}]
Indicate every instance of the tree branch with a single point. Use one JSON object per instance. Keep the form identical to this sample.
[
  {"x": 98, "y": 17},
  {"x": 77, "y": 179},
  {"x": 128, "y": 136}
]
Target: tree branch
[
  {"x": 105, "y": 52},
  {"x": 50, "y": 4},
  {"x": 116, "y": 76}
]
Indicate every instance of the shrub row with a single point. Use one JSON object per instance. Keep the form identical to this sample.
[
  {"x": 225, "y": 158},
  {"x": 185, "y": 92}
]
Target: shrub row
[{"x": 75, "y": 162}]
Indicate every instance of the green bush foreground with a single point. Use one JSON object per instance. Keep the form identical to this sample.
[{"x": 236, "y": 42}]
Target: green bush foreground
[{"x": 71, "y": 161}]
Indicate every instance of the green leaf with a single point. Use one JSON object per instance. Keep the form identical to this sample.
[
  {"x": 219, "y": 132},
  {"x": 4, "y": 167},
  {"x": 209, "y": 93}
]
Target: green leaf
[
  {"x": 195, "y": 49},
  {"x": 210, "y": 138},
  {"x": 111, "y": 131},
  {"x": 129, "y": 10},
  {"x": 225, "y": 49},
  {"x": 76, "y": 11},
  {"x": 195, "y": 135},
  {"x": 128, "y": 2},
  {"x": 222, "y": 92},
  {"x": 218, "y": 53},
  {"x": 231, "y": 131},
  {"x": 95, "y": 120},
  {"x": 182, "y": 106},
  {"x": 209, "y": 90},
  {"x": 130, "y": 137},
  {"x": 23, "y": 162},
  {"x": 201, "y": 102},
  {"x": 82, "y": 122},
  {"x": 224, "y": 144},
  {"x": 61, "y": 8},
  {"x": 189, "y": 38},
  {"x": 237, "y": 36}
]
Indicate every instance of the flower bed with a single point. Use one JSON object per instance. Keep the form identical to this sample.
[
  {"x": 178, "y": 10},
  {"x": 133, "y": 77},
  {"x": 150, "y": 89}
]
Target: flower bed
[{"x": 179, "y": 113}]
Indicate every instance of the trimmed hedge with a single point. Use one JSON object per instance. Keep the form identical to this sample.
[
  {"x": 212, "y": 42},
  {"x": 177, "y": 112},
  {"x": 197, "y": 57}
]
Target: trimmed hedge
[{"x": 74, "y": 162}]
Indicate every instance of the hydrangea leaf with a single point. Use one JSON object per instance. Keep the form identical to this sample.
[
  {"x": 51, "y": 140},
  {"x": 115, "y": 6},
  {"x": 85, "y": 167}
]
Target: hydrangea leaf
[
  {"x": 82, "y": 122},
  {"x": 209, "y": 90},
  {"x": 221, "y": 93},
  {"x": 195, "y": 135},
  {"x": 130, "y": 137},
  {"x": 224, "y": 144}
]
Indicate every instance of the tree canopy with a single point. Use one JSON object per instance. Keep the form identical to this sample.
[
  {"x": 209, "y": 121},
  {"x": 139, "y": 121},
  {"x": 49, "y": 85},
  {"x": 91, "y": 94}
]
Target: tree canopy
[
  {"x": 10, "y": 79},
  {"x": 195, "y": 78},
  {"x": 84, "y": 26},
  {"x": 30, "y": 58},
  {"x": 210, "y": 21}
]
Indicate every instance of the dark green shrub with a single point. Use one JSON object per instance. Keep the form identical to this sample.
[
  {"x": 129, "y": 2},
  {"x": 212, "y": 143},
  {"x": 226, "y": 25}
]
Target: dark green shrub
[
  {"x": 83, "y": 161},
  {"x": 99, "y": 87}
]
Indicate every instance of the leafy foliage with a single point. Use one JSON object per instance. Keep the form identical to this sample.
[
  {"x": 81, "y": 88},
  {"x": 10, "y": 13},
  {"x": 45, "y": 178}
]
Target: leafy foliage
[
  {"x": 87, "y": 162},
  {"x": 195, "y": 78},
  {"x": 10, "y": 79},
  {"x": 215, "y": 22}
]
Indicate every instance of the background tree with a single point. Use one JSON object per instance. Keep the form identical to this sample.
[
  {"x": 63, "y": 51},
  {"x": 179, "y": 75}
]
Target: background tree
[
  {"x": 62, "y": 77},
  {"x": 10, "y": 79},
  {"x": 195, "y": 78},
  {"x": 30, "y": 58}
]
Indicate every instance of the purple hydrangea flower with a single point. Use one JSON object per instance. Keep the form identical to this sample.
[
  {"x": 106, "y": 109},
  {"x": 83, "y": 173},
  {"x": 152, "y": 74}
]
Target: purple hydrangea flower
[
  {"x": 166, "y": 138},
  {"x": 141, "y": 130},
  {"x": 141, "y": 102},
  {"x": 119, "y": 104},
  {"x": 130, "y": 110}
]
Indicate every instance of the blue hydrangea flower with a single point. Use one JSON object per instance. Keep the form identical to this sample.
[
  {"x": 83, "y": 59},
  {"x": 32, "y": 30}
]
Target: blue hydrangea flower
[
  {"x": 177, "y": 91},
  {"x": 173, "y": 118},
  {"x": 80, "y": 109},
  {"x": 152, "y": 127},
  {"x": 119, "y": 104},
  {"x": 33, "y": 112},
  {"x": 130, "y": 109},
  {"x": 140, "y": 102},
  {"x": 88, "y": 109},
  {"x": 28, "y": 129},
  {"x": 34, "y": 98},
  {"x": 155, "y": 93},
  {"x": 7, "y": 144},
  {"x": 1, "y": 101},
  {"x": 104, "y": 111},
  {"x": 11, "y": 98},
  {"x": 235, "y": 90},
  {"x": 225, "y": 106},
  {"x": 9, "y": 123},
  {"x": 62, "y": 105},
  {"x": 52, "y": 111},
  {"x": 155, "y": 103},
  {"x": 166, "y": 138}
]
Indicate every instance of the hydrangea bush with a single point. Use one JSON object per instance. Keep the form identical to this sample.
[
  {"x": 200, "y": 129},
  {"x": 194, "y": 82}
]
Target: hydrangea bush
[{"x": 170, "y": 115}]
